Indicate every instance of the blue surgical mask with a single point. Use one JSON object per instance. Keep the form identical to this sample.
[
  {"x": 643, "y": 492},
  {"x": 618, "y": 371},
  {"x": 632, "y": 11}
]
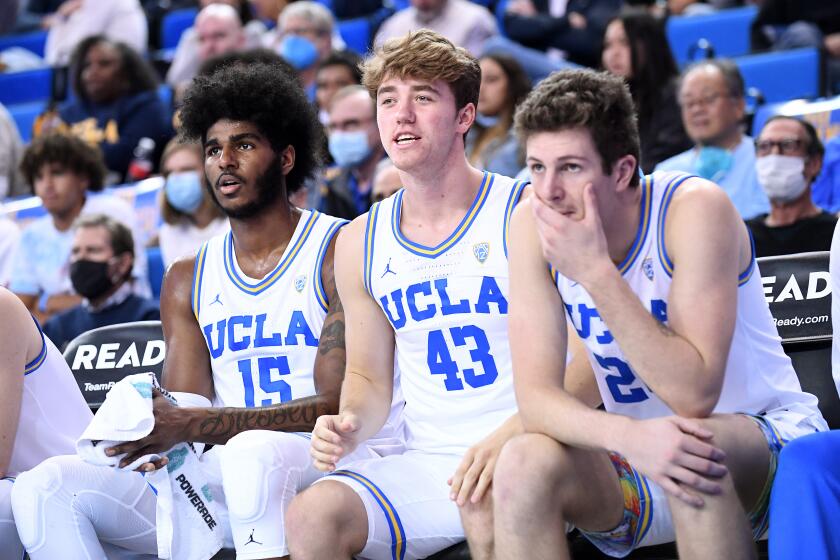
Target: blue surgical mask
[
  {"x": 298, "y": 51},
  {"x": 713, "y": 163},
  {"x": 184, "y": 191},
  {"x": 349, "y": 148},
  {"x": 486, "y": 121}
]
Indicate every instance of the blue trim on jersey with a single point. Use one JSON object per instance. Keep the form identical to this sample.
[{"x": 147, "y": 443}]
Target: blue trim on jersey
[
  {"x": 644, "y": 225},
  {"x": 513, "y": 200},
  {"x": 670, "y": 189},
  {"x": 468, "y": 219},
  {"x": 398, "y": 540},
  {"x": 646, "y": 513},
  {"x": 279, "y": 270},
  {"x": 318, "y": 284},
  {"x": 198, "y": 276},
  {"x": 745, "y": 276},
  {"x": 370, "y": 238},
  {"x": 42, "y": 355}
]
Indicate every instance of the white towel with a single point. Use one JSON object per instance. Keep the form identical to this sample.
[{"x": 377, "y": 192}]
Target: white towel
[{"x": 187, "y": 521}]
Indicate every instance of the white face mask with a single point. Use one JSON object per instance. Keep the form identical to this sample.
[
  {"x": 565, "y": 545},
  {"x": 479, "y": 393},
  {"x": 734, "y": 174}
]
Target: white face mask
[{"x": 781, "y": 177}]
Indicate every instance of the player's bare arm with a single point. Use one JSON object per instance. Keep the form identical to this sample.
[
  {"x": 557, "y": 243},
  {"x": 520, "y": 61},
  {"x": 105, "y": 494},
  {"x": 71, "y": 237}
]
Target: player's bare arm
[
  {"x": 704, "y": 289},
  {"x": 17, "y": 345},
  {"x": 367, "y": 389}
]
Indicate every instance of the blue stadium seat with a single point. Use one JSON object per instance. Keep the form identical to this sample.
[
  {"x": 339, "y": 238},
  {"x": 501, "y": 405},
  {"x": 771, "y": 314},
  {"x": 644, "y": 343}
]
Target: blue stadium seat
[
  {"x": 727, "y": 31},
  {"x": 25, "y": 115},
  {"x": 356, "y": 33},
  {"x": 33, "y": 42},
  {"x": 23, "y": 87},
  {"x": 156, "y": 270},
  {"x": 173, "y": 24},
  {"x": 783, "y": 75},
  {"x": 824, "y": 114}
]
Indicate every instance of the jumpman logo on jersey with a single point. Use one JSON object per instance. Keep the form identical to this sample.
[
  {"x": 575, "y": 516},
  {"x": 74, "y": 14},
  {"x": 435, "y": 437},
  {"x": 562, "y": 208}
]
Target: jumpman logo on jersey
[
  {"x": 251, "y": 539},
  {"x": 388, "y": 269},
  {"x": 217, "y": 300}
]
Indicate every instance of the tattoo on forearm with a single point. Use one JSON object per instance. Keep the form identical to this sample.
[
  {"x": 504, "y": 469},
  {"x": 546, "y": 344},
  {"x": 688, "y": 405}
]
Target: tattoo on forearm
[
  {"x": 332, "y": 337},
  {"x": 224, "y": 423}
]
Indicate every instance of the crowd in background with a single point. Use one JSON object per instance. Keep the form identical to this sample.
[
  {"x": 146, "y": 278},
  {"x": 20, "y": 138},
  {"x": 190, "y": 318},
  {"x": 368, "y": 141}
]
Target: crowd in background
[{"x": 116, "y": 123}]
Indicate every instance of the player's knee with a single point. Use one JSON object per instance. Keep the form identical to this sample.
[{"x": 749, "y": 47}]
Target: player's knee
[
  {"x": 529, "y": 464},
  {"x": 31, "y": 494},
  {"x": 248, "y": 466},
  {"x": 316, "y": 518}
]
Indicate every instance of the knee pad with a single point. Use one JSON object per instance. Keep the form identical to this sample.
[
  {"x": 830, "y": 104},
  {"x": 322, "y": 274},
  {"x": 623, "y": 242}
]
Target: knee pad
[
  {"x": 257, "y": 463},
  {"x": 30, "y": 494}
]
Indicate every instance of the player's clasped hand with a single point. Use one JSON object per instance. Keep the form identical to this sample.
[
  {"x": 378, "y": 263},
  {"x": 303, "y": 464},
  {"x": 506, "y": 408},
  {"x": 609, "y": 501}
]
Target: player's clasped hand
[
  {"x": 334, "y": 437},
  {"x": 168, "y": 432},
  {"x": 578, "y": 228},
  {"x": 677, "y": 454}
]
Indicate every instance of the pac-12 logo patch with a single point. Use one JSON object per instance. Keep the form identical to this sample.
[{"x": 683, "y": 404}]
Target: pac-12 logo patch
[
  {"x": 300, "y": 282},
  {"x": 481, "y": 251},
  {"x": 647, "y": 267}
]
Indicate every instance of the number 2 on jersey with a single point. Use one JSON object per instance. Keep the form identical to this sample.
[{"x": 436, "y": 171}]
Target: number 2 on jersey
[
  {"x": 441, "y": 363},
  {"x": 265, "y": 366}
]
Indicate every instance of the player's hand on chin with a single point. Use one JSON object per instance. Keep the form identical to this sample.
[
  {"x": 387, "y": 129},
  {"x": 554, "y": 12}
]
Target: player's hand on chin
[
  {"x": 169, "y": 430},
  {"x": 574, "y": 245},
  {"x": 678, "y": 454},
  {"x": 333, "y": 437}
]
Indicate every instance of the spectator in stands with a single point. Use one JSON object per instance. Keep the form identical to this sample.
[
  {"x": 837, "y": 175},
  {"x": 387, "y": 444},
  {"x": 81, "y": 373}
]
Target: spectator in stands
[
  {"x": 76, "y": 20},
  {"x": 66, "y": 173},
  {"x": 116, "y": 102},
  {"x": 386, "y": 181},
  {"x": 355, "y": 147},
  {"x": 11, "y": 150},
  {"x": 491, "y": 144},
  {"x": 805, "y": 501},
  {"x": 218, "y": 29},
  {"x": 100, "y": 269},
  {"x": 791, "y": 24},
  {"x": 305, "y": 38},
  {"x": 711, "y": 97},
  {"x": 636, "y": 48},
  {"x": 789, "y": 156},
  {"x": 340, "y": 69},
  {"x": 190, "y": 217},
  {"x": 464, "y": 23},
  {"x": 826, "y": 188},
  {"x": 571, "y": 30}
]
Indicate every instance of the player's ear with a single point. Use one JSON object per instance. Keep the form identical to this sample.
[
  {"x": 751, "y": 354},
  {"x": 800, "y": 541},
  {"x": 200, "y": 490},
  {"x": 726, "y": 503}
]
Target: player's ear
[
  {"x": 287, "y": 159},
  {"x": 623, "y": 171},
  {"x": 466, "y": 117}
]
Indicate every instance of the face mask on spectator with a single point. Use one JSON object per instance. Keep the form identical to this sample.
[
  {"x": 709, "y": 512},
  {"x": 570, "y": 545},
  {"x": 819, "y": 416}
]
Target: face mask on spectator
[
  {"x": 184, "y": 191},
  {"x": 298, "y": 51},
  {"x": 349, "y": 148},
  {"x": 781, "y": 177},
  {"x": 712, "y": 163},
  {"x": 90, "y": 278},
  {"x": 486, "y": 121}
]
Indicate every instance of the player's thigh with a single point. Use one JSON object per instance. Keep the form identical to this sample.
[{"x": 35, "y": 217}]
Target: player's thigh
[
  {"x": 406, "y": 502},
  {"x": 582, "y": 483}
]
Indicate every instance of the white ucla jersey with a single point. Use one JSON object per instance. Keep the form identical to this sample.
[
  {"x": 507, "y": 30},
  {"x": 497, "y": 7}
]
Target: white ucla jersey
[
  {"x": 53, "y": 412},
  {"x": 448, "y": 306},
  {"x": 759, "y": 376},
  {"x": 263, "y": 334}
]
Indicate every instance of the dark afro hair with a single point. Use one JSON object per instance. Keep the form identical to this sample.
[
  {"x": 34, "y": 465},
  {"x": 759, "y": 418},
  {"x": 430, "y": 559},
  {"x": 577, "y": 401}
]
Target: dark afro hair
[{"x": 268, "y": 97}]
